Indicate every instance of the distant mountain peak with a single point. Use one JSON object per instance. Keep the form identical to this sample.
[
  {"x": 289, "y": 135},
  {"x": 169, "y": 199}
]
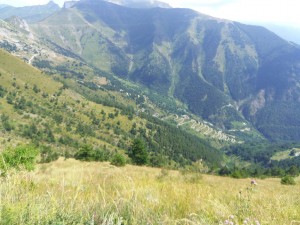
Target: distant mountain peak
[
  {"x": 69, "y": 4},
  {"x": 29, "y": 13},
  {"x": 140, "y": 4},
  {"x": 52, "y": 3},
  {"x": 3, "y": 6},
  {"x": 127, "y": 3}
]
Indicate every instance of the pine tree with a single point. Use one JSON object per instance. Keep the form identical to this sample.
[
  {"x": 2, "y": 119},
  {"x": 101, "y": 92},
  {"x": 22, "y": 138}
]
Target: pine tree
[{"x": 138, "y": 152}]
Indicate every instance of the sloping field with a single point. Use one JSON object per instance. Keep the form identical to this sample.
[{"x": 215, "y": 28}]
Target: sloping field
[{"x": 73, "y": 192}]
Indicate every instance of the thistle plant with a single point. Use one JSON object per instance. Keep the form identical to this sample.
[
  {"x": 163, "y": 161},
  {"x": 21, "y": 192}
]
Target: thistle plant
[{"x": 244, "y": 207}]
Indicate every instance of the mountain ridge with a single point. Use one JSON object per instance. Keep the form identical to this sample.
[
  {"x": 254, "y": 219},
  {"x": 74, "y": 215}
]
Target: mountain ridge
[
  {"x": 140, "y": 4},
  {"x": 222, "y": 70},
  {"x": 30, "y": 13}
]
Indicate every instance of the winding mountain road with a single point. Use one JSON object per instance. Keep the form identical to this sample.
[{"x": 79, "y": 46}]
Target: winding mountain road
[{"x": 31, "y": 59}]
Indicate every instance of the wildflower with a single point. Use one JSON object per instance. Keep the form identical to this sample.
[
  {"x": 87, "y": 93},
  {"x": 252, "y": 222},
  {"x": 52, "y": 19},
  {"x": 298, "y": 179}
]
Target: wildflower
[
  {"x": 247, "y": 221},
  {"x": 253, "y": 182},
  {"x": 257, "y": 222},
  {"x": 231, "y": 217}
]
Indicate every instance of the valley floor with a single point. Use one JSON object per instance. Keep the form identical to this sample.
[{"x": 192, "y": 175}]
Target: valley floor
[{"x": 73, "y": 192}]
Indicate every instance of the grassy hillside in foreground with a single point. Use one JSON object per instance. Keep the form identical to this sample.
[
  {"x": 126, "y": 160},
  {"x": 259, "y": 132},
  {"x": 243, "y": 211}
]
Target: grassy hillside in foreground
[{"x": 72, "y": 192}]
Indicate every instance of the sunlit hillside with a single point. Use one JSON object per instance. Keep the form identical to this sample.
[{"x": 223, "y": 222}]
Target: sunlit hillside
[
  {"x": 73, "y": 192},
  {"x": 38, "y": 108},
  {"x": 122, "y": 112}
]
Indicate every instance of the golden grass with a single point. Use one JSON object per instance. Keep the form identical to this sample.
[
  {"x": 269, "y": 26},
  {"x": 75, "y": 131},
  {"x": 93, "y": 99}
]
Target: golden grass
[
  {"x": 24, "y": 73},
  {"x": 72, "y": 192}
]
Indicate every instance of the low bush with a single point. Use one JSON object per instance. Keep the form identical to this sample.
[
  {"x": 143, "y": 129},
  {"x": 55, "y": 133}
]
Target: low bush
[
  {"x": 20, "y": 157},
  {"x": 288, "y": 180},
  {"x": 118, "y": 160}
]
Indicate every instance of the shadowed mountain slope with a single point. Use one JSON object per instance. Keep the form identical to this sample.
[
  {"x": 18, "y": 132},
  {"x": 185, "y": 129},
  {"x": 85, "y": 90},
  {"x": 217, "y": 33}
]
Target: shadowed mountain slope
[{"x": 225, "y": 72}]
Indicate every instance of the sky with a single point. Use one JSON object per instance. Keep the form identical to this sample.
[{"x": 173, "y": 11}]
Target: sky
[{"x": 278, "y": 12}]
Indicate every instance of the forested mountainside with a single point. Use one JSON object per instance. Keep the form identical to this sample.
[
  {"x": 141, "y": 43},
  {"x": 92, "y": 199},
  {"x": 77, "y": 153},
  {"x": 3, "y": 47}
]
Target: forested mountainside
[
  {"x": 185, "y": 74},
  {"x": 225, "y": 72},
  {"x": 64, "y": 115}
]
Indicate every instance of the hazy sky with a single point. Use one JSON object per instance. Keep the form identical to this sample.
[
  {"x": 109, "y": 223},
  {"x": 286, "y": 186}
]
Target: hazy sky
[
  {"x": 281, "y": 12},
  {"x": 266, "y": 11}
]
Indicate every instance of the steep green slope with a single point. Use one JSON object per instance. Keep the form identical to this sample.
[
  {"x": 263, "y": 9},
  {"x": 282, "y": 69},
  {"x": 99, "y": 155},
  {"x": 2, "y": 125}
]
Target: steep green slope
[
  {"x": 67, "y": 115},
  {"x": 52, "y": 58}
]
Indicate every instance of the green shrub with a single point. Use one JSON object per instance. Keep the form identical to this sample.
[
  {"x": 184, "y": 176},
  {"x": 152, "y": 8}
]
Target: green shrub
[
  {"x": 237, "y": 174},
  {"x": 118, "y": 160},
  {"x": 102, "y": 155},
  {"x": 6, "y": 123},
  {"x": 48, "y": 155},
  {"x": 88, "y": 153},
  {"x": 288, "y": 180},
  {"x": 293, "y": 171},
  {"x": 20, "y": 157},
  {"x": 85, "y": 153}
]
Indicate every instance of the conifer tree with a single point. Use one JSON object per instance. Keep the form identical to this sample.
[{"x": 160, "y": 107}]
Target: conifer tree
[{"x": 138, "y": 152}]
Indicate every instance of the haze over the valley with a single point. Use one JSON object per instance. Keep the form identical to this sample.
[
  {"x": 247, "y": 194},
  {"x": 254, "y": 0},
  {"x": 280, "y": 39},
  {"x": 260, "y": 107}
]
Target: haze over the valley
[
  {"x": 260, "y": 11},
  {"x": 282, "y": 17}
]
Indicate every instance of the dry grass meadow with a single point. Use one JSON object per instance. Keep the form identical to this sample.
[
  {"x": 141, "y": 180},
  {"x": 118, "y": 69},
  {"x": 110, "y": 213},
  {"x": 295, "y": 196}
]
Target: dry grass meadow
[{"x": 73, "y": 192}]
